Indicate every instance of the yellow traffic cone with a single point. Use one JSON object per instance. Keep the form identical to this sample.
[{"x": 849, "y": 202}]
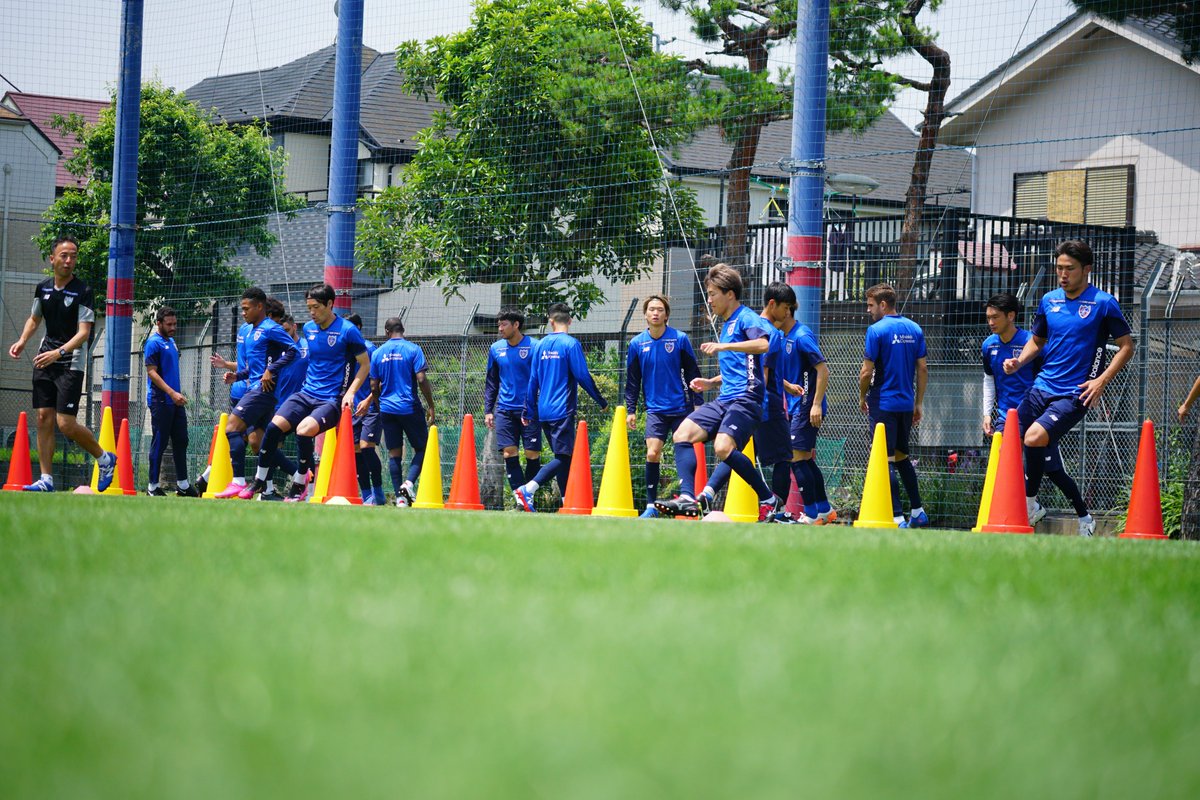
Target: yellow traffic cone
[
  {"x": 108, "y": 443},
  {"x": 325, "y": 468},
  {"x": 741, "y": 503},
  {"x": 989, "y": 483},
  {"x": 876, "y": 509},
  {"x": 429, "y": 493},
  {"x": 616, "y": 486},
  {"x": 222, "y": 465}
]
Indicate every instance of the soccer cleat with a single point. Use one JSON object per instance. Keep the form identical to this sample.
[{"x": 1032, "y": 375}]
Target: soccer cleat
[
  {"x": 106, "y": 472},
  {"x": 271, "y": 496},
  {"x": 406, "y": 492},
  {"x": 682, "y": 506},
  {"x": 650, "y": 513},
  {"x": 920, "y": 520},
  {"x": 380, "y": 497},
  {"x": 1087, "y": 526},
  {"x": 771, "y": 508},
  {"x": 1037, "y": 513},
  {"x": 401, "y": 501},
  {"x": 232, "y": 490},
  {"x": 524, "y": 499},
  {"x": 256, "y": 486},
  {"x": 201, "y": 485},
  {"x": 40, "y": 485},
  {"x": 826, "y": 517},
  {"x": 295, "y": 493},
  {"x": 369, "y": 499},
  {"x": 190, "y": 491},
  {"x": 157, "y": 491}
]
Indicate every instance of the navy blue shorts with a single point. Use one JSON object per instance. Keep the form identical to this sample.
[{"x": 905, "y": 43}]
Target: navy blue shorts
[
  {"x": 803, "y": 434},
  {"x": 772, "y": 441},
  {"x": 661, "y": 426},
  {"x": 1057, "y": 414},
  {"x": 301, "y": 405},
  {"x": 736, "y": 418},
  {"x": 561, "y": 435},
  {"x": 255, "y": 408},
  {"x": 367, "y": 427},
  {"x": 510, "y": 432},
  {"x": 397, "y": 426},
  {"x": 897, "y": 426}
]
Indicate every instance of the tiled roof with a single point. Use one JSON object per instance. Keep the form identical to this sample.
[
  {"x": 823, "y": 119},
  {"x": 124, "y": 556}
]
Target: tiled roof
[
  {"x": 41, "y": 109},
  {"x": 1148, "y": 253}
]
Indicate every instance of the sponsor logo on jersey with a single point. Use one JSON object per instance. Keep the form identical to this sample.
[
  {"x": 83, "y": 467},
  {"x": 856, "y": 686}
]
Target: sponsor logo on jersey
[
  {"x": 1055, "y": 309},
  {"x": 1085, "y": 311}
]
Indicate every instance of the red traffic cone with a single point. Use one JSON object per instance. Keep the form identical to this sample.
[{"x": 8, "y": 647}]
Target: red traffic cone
[
  {"x": 464, "y": 486},
  {"x": 213, "y": 444},
  {"x": 125, "y": 459},
  {"x": 701, "y": 474},
  {"x": 343, "y": 481},
  {"x": 1145, "y": 519},
  {"x": 1008, "y": 513},
  {"x": 20, "y": 473},
  {"x": 579, "y": 480}
]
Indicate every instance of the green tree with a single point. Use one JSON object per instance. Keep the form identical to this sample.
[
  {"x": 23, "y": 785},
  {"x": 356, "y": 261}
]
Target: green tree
[
  {"x": 204, "y": 189},
  {"x": 540, "y": 173},
  {"x": 1184, "y": 17}
]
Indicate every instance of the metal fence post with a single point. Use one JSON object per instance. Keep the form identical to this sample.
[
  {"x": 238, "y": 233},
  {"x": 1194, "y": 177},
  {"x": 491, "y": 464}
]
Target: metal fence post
[{"x": 462, "y": 374}]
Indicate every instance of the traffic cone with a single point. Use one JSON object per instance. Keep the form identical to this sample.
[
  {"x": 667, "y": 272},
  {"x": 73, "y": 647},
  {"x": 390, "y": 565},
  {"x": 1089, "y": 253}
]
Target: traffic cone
[
  {"x": 212, "y": 444},
  {"x": 701, "y": 466},
  {"x": 429, "y": 493},
  {"x": 989, "y": 483},
  {"x": 108, "y": 443},
  {"x": 222, "y": 465},
  {"x": 20, "y": 472},
  {"x": 875, "y": 511},
  {"x": 795, "y": 500},
  {"x": 579, "y": 479},
  {"x": 1145, "y": 520},
  {"x": 125, "y": 460},
  {"x": 325, "y": 469},
  {"x": 343, "y": 478},
  {"x": 741, "y": 504},
  {"x": 616, "y": 484},
  {"x": 464, "y": 486},
  {"x": 1008, "y": 513}
]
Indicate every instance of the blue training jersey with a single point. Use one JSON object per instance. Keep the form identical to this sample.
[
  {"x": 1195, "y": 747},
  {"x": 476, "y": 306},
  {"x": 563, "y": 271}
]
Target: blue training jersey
[
  {"x": 895, "y": 344},
  {"x": 331, "y": 351},
  {"x": 507, "y": 375},
  {"x": 289, "y": 381},
  {"x": 395, "y": 364},
  {"x": 798, "y": 365},
  {"x": 558, "y": 369},
  {"x": 1010, "y": 389},
  {"x": 268, "y": 346},
  {"x": 365, "y": 389},
  {"x": 662, "y": 368},
  {"x": 741, "y": 373},
  {"x": 239, "y": 387},
  {"x": 1075, "y": 332},
  {"x": 161, "y": 353},
  {"x": 773, "y": 405}
]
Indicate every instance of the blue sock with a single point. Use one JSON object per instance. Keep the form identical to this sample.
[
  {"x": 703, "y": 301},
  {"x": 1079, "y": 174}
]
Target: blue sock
[
  {"x": 653, "y": 474},
  {"x": 781, "y": 480},
  {"x": 374, "y": 467},
  {"x": 564, "y": 472},
  {"x": 512, "y": 467},
  {"x": 804, "y": 480},
  {"x": 360, "y": 467},
  {"x": 720, "y": 476},
  {"x": 744, "y": 467},
  {"x": 548, "y": 471},
  {"x": 685, "y": 465},
  {"x": 818, "y": 478},
  {"x": 414, "y": 466},
  {"x": 305, "y": 450},
  {"x": 237, "y": 452},
  {"x": 269, "y": 454},
  {"x": 396, "y": 470},
  {"x": 894, "y": 480},
  {"x": 908, "y": 474},
  {"x": 532, "y": 467}
]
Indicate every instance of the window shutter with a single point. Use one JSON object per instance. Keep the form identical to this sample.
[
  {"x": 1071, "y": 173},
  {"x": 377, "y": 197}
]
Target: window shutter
[
  {"x": 1108, "y": 196},
  {"x": 1065, "y": 192},
  {"x": 1030, "y": 195}
]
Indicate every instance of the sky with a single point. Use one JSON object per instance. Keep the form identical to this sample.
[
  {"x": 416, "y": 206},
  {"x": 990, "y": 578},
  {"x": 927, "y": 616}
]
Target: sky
[{"x": 71, "y": 47}]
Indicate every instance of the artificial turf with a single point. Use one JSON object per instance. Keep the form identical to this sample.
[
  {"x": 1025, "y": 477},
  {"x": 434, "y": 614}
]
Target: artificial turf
[{"x": 176, "y": 648}]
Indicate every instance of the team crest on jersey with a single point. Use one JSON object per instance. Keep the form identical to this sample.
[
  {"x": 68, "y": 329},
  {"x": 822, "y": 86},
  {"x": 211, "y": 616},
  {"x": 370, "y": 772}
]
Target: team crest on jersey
[
  {"x": 788, "y": 347},
  {"x": 1085, "y": 311},
  {"x": 331, "y": 339},
  {"x": 670, "y": 346},
  {"x": 523, "y": 352},
  {"x": 257, "y": 335},
  {"x": 67, "y": 301}
]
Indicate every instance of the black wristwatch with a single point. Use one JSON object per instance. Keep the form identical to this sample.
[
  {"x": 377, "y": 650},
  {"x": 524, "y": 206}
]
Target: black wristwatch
[{"x": 62, "y": 352}]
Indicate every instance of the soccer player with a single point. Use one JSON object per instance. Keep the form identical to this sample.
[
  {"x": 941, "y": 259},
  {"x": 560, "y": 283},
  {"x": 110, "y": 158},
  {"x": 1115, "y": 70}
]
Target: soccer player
[
  {"x": 508, "y": 362},
  {"x": 333, "y": 343},
  {"x": 558, "y": 370},
  {"x": 1070, "y": 330},
  {"x": 733, "y": 417},
  {"x": 660, "y": 364},
  {"x": 894, "y": 356},
  {"x": 805, "y": 379},
  {"x": 269, "y": 350},
  {"x": 287, "y": 383},
  {"x": 366, "y": 434},
  {"x": 168, "y": 415},
  {"x": 397, "y": 369},
  {"x": 237, "y": 388},
  {"x": 67, "y": 305}
]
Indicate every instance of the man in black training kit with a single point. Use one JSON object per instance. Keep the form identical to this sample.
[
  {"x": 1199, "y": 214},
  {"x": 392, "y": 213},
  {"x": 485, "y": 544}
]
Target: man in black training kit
[{"x": 68, "y": 307}]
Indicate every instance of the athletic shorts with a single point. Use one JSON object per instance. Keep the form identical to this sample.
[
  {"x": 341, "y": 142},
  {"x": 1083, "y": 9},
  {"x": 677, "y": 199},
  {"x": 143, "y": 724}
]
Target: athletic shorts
[
  {"x": 511, "y": 433},
  {"x": 772, "y": 441},
  {"x": 897, "y": 426},
  {"x": 561, "y": 435},
  {"x": 397, "y": 426},
  {"x": 1057, "y": 414},
  {"x": 255, "y": 408},
  {"x": 59, "y": 389},
  {"x": 737, "y": 418},
  {"x": 802, "y": 432},
  {"x": 661, "y": 426},
  {"x": 367, "y": 427},
  {"x": 301, "y": 405}
]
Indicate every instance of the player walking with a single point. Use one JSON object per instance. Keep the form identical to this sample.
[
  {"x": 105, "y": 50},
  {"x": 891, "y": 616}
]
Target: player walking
[{"x": 508, "y": 362}]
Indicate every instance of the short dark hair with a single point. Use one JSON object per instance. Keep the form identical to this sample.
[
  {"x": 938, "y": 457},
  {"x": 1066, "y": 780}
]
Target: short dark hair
[
  {"x": 275, "y": 309},
  {"x": 255, "y": 295},
  {"x": 781, "y": 293},
  {"x": 65, "y": 237},
  {"x": 393, "y": 325},
  {"x": 1077, "y": 249},
  {"x": 646, "y": 303},
  {"x": 1005, "y": 303},
  {"x": 164, "y": 312},
  {"x": 355, "y": 320},
  {"x": 559, "y": 312},
  {"x": 883, "y": 293},
  {"x": 286, "y": 319},
  {"x": 511, "y": 315},
  {"x": 323, "y": 293},
  {"x": 724, "y": 278}
]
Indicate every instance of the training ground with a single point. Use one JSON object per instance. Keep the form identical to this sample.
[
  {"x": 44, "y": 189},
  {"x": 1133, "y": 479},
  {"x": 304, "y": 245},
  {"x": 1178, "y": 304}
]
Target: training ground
[{"x": 173, "y": 648}]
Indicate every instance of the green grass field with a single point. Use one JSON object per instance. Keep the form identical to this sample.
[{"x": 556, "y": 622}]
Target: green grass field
[{"x": 178, "y": 648}]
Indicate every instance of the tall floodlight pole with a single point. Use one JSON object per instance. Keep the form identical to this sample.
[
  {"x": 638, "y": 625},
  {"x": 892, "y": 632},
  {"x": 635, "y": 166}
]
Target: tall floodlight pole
[
  {"x": 118, "y": 327},
  {"x": 806, "y": 234},
  {"x": 343, "y": 153}
]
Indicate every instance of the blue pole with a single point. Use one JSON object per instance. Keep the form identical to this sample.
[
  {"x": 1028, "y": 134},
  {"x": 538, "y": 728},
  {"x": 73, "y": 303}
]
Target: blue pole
[
  {"x": 343, "y": 153},
  {"x": 118, "y": 330},
  {"x": 806, "y": 235}
]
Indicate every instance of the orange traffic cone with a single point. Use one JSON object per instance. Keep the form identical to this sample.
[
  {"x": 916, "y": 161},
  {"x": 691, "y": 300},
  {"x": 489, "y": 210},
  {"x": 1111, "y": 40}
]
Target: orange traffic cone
[
  {"x": 125, "y": 459},
  {"x": 1145, "y": 520},
  {"x": 20, "y": 473},
  {"x": 464, "y": 486},
  {"x": 579, "y": 480},
  {"x": 701, "y": 475},
  {"x": 213, "y": 444},
  {"x": 1008, "y": 513},
  {"x": 343, "y": 481}
]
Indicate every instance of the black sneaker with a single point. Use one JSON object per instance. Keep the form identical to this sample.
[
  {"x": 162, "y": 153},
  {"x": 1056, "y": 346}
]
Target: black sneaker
[
  {"x": 157, "y": 491},
  {"x": 271, "y": 497},
  {"x": 191, "y": 491},
  {"x": 201, "y": 485},
  {"x": 295, "y": 493},
  {"x": 257, "y": 486},
  {"x": 679, "y": 507},
  {"x": 768, "y": 510},
  {"x": 404, "y": 494}
]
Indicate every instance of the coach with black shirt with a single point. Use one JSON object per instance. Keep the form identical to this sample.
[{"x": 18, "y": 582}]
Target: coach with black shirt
[{"x": 68, "y": 307}]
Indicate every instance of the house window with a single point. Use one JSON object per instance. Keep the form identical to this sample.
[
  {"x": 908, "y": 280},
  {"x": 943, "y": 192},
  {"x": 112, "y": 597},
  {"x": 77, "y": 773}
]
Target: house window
[{"x": 1095, "y": 196}]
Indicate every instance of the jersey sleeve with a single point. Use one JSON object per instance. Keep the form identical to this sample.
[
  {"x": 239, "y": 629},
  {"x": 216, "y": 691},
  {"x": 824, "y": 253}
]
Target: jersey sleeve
[
  {"x": 418, "y": 363},
  {"x": 87, "y": 305},
  {"x": 807, "y": 344},
  {"x": 35, "y": 310},
  {"x": 691, "y": 369},
  {"x": 871, "y": 345},
  {"x": 1114, "y": 321},
  {"x": 987, "y": 362},
  {"x": 491, "y": 383},
  {"x": 633, "y": 378},
  {"x": 377, "y": 364},
  {"x": 1040, "y": 329},
  {"x": 921, "y": 351},
  {"x": 531, "y": 392},
  {"x": 355, "y": 343},
  {"x": 153, "y": 354},
  {"x": 579, "y": 369}
]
